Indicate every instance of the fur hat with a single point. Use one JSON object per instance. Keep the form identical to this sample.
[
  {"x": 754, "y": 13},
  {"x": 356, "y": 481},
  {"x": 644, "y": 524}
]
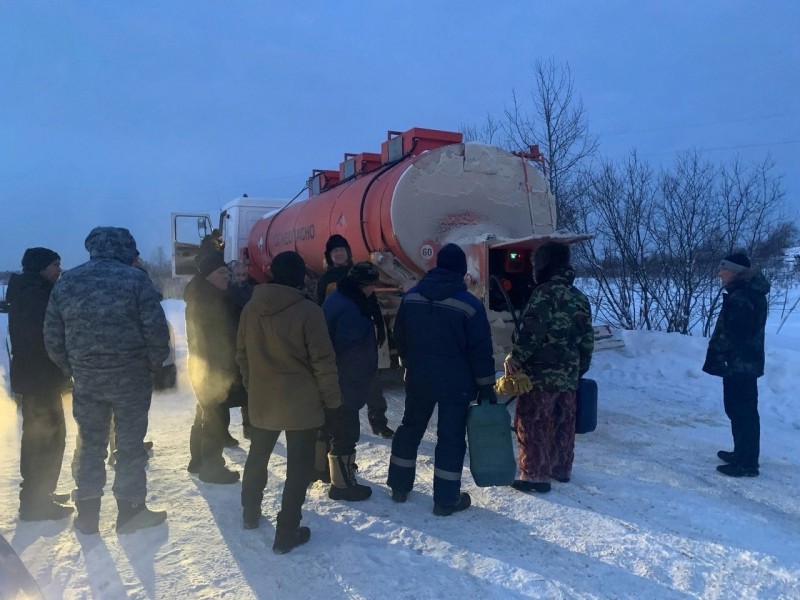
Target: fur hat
[
  {"x": 210, "y": 262},
  {"x": 288, "y": 268},
  {"x": 38, "y": 259},
  {"x": 337, "y": 241},
  {"x": 736, "y": 263},
  {"x": 364, "y": 273},
  {"x": 452, "y": 258},
  {"x": 548, "y": 258}
]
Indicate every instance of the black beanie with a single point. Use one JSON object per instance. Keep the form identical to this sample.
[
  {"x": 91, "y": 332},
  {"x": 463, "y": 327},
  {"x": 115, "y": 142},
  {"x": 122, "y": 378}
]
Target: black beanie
[
  {"x": 288, "y": 268},
  {"x": 337, "y": 241},
  {"x": 452, "y": 258},
  {"x": 210, "y": 262},
  {"x": 364, "y": 273},
  {"x": 38, "y": 259},
  {"x": 736, "y": 262}
]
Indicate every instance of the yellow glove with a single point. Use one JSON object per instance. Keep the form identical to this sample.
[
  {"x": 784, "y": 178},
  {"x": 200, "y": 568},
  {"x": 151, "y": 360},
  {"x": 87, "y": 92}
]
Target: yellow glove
[{"x": 514, "y": 384}]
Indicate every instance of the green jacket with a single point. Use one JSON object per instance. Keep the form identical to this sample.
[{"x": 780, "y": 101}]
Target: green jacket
[
  {"x": 556, "y": 340},
  {"x": 737, "y": 345}
]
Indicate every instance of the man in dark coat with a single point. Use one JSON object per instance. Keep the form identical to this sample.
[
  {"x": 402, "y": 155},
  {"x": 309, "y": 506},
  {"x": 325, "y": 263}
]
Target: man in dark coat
[
  {"x": 736, "y": 353},
  {"x": 339, "y": 259},
  {"x": 211, "y": 323},
  {"x": 39, "y": 382},
  {"x": 350, "y": 319},
  {"x": 554, "y": 348},
  {"x": 444, "y": 342},
  {"x": 105, "y": 326}
]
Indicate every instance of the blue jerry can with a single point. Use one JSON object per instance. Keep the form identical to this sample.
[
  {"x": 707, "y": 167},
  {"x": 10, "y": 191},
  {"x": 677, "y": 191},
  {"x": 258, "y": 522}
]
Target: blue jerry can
[{"x": 491, "y": 453}]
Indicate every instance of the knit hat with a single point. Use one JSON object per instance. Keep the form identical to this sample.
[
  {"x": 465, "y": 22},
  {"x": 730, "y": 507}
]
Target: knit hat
[
  {"x": 364, "y": 273},
  {"x": 210, "y": 262},
  {"x": 452, "y": 258},
  {"x": 38, "y": 259},
  {"x": 736, "y": 263},
  {"x": 288, "y": 268},
  {"x": 336, "y": 241}
]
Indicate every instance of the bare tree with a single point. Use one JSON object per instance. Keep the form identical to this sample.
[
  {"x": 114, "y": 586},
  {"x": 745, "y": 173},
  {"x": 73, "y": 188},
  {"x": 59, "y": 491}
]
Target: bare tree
[
  {"x": 658, "y": 241},
  {"x": 616, "y": 203},
  {"x": 159, "y": 267},
  {"x": 557, "y": 123},
  {"x": 487, "y": 132},
  {"x": 686, "y": 219}
]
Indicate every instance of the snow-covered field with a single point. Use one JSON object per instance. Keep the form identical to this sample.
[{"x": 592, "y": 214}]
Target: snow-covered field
[{"x": 645, "y": 515}]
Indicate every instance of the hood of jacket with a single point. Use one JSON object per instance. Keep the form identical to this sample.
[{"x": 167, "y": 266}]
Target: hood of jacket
[
  {"x": 439, "y": 284},
  {"x": 272, "y": 298},
  {"x": 111, "y": 242},
  {"x": 752, "y": 280}
]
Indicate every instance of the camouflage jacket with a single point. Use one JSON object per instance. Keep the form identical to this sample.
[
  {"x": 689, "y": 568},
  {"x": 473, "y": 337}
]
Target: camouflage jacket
[
  {"x": 106, "y": 314},
  {"x": 556, "y": 340},
  {"x": 737, "y": 345}
]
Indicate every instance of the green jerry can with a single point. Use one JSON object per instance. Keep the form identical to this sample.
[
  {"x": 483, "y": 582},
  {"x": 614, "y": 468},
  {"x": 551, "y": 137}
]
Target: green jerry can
[{"x": 491, "y": 452}]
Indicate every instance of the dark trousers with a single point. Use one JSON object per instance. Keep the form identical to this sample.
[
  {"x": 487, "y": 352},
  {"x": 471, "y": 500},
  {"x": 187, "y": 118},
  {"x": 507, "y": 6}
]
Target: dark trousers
[
  {"x": 740, "y": 394},
  {"x": 344, "y": 428},
  {"x": 237, "y": 396},
  {"x": 451, "y": 446},
  {"x": 376, "y": 404},
  {"x": 43, "y": 440},
  {"x": 207, "y": 437},
  {"x": 299, "y": 466}
]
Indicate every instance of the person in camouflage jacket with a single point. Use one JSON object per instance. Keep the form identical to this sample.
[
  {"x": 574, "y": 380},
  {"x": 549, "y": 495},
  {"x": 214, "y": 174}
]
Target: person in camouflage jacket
[
  {"x": 554, "y": 348},
  {"x": 736, "y": 353},
  {"x": 105, "y": 327}
]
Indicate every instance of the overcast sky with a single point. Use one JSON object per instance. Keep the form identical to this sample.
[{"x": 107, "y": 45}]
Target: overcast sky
[{"x": 118, "y": 113}]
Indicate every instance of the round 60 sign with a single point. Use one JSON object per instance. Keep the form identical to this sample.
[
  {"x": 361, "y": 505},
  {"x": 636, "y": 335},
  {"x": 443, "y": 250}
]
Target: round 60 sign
[{"x": 426, "y": 252}]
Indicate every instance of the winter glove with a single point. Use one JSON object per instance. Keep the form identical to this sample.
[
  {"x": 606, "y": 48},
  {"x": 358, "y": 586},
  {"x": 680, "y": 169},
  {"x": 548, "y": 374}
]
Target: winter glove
[
  {"x": 486, "y": 393},
  {"x": 515, "y": 384}
]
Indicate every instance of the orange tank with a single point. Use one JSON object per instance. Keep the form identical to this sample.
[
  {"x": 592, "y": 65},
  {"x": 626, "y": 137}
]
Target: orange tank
[{"x": 427, "y": 188}]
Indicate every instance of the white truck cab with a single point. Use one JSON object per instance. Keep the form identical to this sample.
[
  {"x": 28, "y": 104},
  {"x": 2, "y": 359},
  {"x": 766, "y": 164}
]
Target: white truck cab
[{"x": 236, "y": 219}]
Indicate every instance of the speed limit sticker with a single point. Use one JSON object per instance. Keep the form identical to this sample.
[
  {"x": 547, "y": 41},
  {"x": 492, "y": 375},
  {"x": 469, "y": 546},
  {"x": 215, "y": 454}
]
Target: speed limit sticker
[{"x": 426, "y": 252}]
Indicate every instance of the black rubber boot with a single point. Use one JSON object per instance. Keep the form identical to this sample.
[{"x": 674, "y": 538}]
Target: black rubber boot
[
  {"x": 88, "y": 519},
  {"x": 251, "y": 517},
  {"x": 384, "y": 431},
  {"x": 464, "y": 502},
  {"x": 195, "y": 447},
  {"x": 343, "y": 480},
  {"x": 287, "y": 540},
  {"x": 531, "y": 486},
  {"x": 221, "y": 475},
  {"x": 45, "y": 510},
  {"x": 133, "y": 516}
]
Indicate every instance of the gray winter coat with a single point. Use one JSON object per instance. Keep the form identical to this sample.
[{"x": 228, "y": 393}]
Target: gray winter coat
[{"x": 106, "y": 314}]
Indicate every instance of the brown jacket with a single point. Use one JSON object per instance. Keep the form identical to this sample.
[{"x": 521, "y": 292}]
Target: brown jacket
[{"x": 287, "y": 360}]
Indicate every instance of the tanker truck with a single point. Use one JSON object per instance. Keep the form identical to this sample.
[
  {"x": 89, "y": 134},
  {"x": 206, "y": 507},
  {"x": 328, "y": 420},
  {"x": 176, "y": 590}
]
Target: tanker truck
[{"x": 397, "y": 208}]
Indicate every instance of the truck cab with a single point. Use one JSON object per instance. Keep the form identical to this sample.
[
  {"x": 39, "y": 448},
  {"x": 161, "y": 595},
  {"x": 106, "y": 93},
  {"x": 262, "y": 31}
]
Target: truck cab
[{"x": 235, "y": 221}]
